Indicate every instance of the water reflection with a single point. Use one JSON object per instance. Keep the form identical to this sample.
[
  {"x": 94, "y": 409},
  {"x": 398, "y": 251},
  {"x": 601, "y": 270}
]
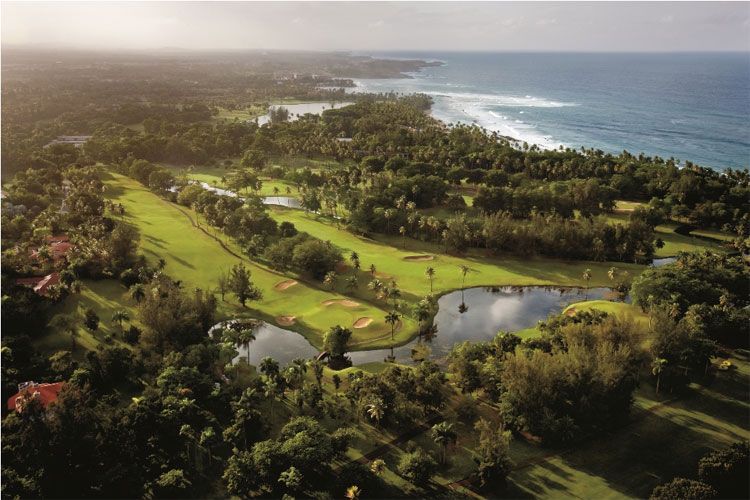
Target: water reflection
[
  {"x": 490, "y": 310},
  {"x": 298, "y": 110},
  {"x": 272, "y": 341}
]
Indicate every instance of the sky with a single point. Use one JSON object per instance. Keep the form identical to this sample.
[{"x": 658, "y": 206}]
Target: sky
[{"x": 381, "y": 26}]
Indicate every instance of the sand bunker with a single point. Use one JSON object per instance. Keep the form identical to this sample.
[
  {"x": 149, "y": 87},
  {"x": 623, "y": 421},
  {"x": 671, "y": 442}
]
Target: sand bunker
[
  {"x": 285, "y": 320},
  {"x": 341, "y": 302},
  {"x": 362, "y": 322},
  {"x": 419, "y": 258},
  {"x": 285, "y": 284},
  {"x": 571, "y": 312}
]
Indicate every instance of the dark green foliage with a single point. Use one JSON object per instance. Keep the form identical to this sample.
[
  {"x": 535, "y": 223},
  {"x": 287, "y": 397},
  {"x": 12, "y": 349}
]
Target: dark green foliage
[
  {"x": 417, "y": 466},
  {"x": 316, "y": 257},
  {"x": 683, "y": 489},
  {"x": 727, "y": 471},
  {"x": 336, "y": 341}
]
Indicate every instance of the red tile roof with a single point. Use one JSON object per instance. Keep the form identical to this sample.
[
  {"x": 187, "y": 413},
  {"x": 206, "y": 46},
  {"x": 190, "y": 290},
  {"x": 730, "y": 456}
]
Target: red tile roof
[
  {"x": 44, "y": 393},
  {"x": 58, "y": 248},
  {"x": 40, "y": 284},
  {"x": 60, "y": 238}
]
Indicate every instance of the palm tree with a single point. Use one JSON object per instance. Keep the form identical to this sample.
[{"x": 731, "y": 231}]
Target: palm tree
[
  {"x": 375, "y": 285},
  {"x": 430, "y": 273},
  {"x": 137, "y": 292},
  {"x": 464, "y": 271},
  {"x": 372, "y": 269},
  {"x": 276, "y": 193},
  {"x": 317, "y": 367},
  {"x": 376, "y": 411},
  {"x": 444, "y": 435},
  {"x": 612, "y": 273},
  {"x": 269, "y": 367},
  {"x": 587, "y": 278},
  {"x": 119, "y": 316},
  {"x": 352, "y": 283},
  {"x": 657, "y": 366},
  {"x": 422, "y": 311},
  {"x": 377, "y": 466},
  {"x": 330, "y": 279},
  {"x": 402, "y": 231},
  {"x": 354, "y": 257},
  {"x": 392, "y": 319},
  {"x": 353, "y": 492},
  {"x": 270, "y": 389},
  {"x": 245, "y": 336}
]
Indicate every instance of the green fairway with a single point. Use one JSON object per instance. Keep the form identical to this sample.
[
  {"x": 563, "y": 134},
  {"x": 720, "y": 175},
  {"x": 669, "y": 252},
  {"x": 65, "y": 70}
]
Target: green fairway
[
  {"x": 247, "y": 114},
  {"x": 610, "y": 307},
  {"x": 167, "y": 232},
  {"x": 213, "y": 175},
  {"x": 713, "y": 234},
  {"x": 675, "y": 243},
  {"x": 104, "y": 297},
  {"x": 392, "y": 261}
]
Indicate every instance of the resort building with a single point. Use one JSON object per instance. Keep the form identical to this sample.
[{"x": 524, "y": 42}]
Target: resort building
[
  {"x": 40, "y": 284},
  {"x": 45, "y": 394}
]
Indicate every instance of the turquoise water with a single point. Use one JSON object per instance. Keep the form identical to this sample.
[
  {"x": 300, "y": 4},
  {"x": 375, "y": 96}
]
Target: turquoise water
[{"x": 692, "y": 107}]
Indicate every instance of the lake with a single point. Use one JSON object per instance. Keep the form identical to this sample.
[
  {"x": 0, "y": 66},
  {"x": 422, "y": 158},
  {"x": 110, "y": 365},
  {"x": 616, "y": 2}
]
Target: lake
[{"x": 489, "y": 311}]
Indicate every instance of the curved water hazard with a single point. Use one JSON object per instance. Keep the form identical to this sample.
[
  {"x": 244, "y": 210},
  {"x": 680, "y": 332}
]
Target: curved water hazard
[
  {"x": 489, "y": 311},
  {"x": 274, "y": 342},
  {"x": 284, "y": 201}
]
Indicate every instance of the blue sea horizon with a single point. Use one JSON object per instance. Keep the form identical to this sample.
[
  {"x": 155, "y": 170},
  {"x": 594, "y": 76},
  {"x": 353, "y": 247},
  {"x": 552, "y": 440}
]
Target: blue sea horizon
[{"x": 692, "y": 106}]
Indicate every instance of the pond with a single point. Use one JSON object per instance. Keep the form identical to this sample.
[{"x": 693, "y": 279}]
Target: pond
[
  {"x": 489, "y": 311},
  {"x": 663, "y": 261},
  {"x": 272, "y": 341},
  {"x": 284, "y": 201},
  {"x": 301, "y": 109}
]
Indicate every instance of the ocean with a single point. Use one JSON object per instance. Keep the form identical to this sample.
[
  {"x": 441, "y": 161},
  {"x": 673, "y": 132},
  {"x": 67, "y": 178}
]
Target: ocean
[{"x": 690, "y": 106}]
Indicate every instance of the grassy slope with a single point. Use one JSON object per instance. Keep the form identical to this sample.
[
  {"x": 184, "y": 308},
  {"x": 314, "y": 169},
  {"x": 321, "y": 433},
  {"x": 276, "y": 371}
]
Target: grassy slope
[
  {"x": 104, "y": 297},
  {"x": 388, "y": 258},
  {"x": 197, "y": 260},
  {"x": 667, "y": 437},
  {"x": 673, "y": 243}
]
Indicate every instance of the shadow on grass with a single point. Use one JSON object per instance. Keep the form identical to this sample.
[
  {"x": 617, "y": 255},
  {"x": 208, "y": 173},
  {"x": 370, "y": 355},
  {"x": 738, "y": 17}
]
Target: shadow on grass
[{"x": 655, "y": 447}]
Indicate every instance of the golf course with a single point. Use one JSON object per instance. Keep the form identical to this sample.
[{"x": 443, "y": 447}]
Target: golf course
[{"x": 196, "y": 254}]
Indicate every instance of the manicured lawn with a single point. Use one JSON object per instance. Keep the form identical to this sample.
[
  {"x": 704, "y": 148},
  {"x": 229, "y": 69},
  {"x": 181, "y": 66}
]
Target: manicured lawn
[
  {"x": 104, "y": 297},
  {"x": 197, "y": 259},
  {"x": 246, "y": 114},
  {"x": 212, "y": 175},
  {"x": 675, "y": 243},
  {"x": 627, "y": 206},
  {"x": 390, "y": 261},
  {"x": 610, "y": 307},
  {"x": 710, "y": 233}
]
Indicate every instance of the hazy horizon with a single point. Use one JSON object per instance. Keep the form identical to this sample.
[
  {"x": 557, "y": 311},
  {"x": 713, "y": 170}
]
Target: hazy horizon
[{"x": 380, "y": 27}]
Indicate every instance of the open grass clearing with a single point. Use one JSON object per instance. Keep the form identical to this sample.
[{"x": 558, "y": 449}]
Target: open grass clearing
[
  {"x": 167, "y": 232},
  {"x": 104, "y": 297}
]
